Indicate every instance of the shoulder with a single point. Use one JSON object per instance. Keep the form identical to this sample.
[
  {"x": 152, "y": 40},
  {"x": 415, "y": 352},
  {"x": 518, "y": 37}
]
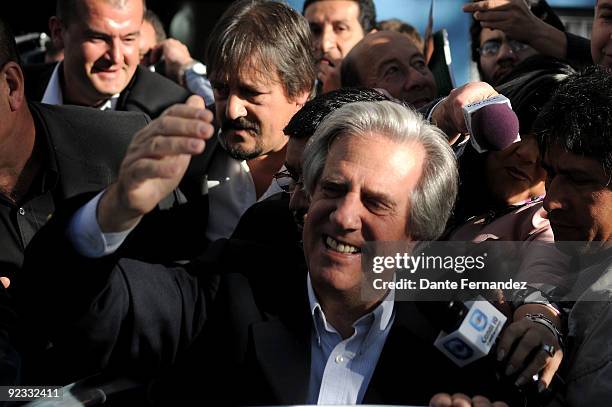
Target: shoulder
[
  {"x": 91, "y": 120},
  {"x": 36, "y": 78},
  {"x": 88, "y": 135},
  {"x": 151, "y": 93}
]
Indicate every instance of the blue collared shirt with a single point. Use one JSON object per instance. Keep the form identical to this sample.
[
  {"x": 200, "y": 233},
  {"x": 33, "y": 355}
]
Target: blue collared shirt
[{"x": 340, "y": 370}]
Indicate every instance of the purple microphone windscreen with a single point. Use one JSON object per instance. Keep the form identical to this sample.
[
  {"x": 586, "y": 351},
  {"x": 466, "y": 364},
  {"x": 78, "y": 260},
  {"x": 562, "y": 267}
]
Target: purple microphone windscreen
[{"x": 495, "y": 126}]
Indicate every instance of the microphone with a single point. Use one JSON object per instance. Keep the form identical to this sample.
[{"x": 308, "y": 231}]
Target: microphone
[
  {"x": 491, "y": 123},
  {"x": 468, "y": 330}
]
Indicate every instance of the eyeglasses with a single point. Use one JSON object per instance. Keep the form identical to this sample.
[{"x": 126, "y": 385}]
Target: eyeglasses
[
  {"x": 491, "y": 48},
  {"x": 288, "y": 182}
]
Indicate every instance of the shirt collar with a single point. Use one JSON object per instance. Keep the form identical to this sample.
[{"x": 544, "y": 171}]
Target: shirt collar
[
  {"x": 53, "y": 93},
  {"x": 379, "y": 318}
]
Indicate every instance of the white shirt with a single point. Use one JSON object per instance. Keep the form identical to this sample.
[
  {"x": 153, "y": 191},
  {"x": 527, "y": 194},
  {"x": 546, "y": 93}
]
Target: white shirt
[
  {"x": 231, "y": 191},
  {"x": 341, "y": 369}
]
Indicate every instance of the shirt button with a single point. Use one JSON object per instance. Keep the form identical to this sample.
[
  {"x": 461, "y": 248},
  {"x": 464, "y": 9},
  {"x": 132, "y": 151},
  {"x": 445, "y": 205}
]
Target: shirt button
[
  {"x": 21, "y": 211},
  {"x": 339, "y": 359}
]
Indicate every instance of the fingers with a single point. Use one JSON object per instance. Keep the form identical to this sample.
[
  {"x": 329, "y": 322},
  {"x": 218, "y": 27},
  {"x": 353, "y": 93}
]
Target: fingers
[
  {"x": 511, "y": 334},
  {"x": 446, "y": 400},
  {"x": 193, "y": 108},
  {"x": 441, "y": 400},
  {"x": 487, "y": 5},
  {"x": 166, "y": 136},
  {"x": 549, "y": 370},
  {"x": 493, "y": 17},
  {"x": 461, "y": 400},
  {"x": 531, "y": 337}
]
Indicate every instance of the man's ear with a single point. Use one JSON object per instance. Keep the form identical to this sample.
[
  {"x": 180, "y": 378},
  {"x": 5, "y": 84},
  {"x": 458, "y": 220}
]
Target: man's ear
[
  {"x": 12, "y": 74},
  {"x": 301, "y": 99},
  {"x": 56, "y": 28},
  {"x": 372, "y": 31}
]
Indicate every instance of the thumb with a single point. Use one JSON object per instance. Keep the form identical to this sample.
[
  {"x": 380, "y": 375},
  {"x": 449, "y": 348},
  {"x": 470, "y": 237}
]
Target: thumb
[{"x": 196, "y": 101}]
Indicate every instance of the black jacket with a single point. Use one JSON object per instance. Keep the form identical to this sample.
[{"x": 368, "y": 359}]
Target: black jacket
[{"x": 147, "y": 92}]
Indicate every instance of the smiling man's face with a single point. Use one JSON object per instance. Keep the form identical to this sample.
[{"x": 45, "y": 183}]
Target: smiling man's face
[
  {"x": 101, "y": 50},
  {"x": 601, "y": 36},
  {"x": 362, "y": 195}
]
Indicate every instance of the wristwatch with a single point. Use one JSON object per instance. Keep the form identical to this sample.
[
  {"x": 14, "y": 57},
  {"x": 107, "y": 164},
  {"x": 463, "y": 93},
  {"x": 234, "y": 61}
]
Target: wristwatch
[{"x": 195, "y": 68}]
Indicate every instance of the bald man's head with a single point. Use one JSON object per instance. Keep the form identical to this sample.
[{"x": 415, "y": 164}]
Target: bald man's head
[{"x": 390, "y": 61}]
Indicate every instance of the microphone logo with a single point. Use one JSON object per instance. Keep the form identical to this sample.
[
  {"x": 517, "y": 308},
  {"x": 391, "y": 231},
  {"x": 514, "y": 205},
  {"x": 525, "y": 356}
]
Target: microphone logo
[
  {"x": 479, "y": 320},
  {"x": 458, "y": 349}
]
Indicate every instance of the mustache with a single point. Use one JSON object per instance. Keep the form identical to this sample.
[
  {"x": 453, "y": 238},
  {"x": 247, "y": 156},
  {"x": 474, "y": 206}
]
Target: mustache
[{"x": 240, "y": 123}]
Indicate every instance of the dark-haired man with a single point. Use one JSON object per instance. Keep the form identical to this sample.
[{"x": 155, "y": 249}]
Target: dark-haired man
[
  {"x": 577, "y": 154},
  {"x": 506, "y": 32},
  {"x": 337, "y": 25},
  {"x": 259, "y": 85},
  {"x": 100, "y": 39}
]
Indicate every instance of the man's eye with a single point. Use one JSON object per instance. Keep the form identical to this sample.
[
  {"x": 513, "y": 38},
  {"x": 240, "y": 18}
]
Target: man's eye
[
  {"x": 341, "y": 28},
  {"x": 391, "y": 71},
  {"x": 419, "y": 65},
  {"x": 221, "y": 92},
  {"x": 375, "y": 206},
  {"x": 331, "y": 190},
  {"x": 315, "y": 30}
]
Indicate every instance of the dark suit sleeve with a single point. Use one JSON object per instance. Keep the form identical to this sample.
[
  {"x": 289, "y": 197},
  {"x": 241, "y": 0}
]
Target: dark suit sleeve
[
  {"x": 115, "y": 313},
  {"x": 578, "y": 51}
]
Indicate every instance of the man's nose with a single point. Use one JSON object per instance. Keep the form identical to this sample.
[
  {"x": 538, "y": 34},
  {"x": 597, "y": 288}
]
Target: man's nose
[
  {"x": 345, "y": 216},
  {"x": 115, "y": 51},
  {"x": 414, "y": 79},
  {"x": 553, "y": 198},
  {"x": 328, "y": 39},
  {"x": 234, "y": 107},
  {"x": 506, "y": 52}
]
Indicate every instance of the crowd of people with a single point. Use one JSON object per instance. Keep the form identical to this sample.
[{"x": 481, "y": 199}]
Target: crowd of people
[{"x": 176, "y": 231}]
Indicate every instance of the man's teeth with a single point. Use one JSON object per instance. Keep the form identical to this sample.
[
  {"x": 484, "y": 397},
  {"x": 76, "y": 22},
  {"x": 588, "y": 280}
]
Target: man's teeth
[{"x": 340, "y": 247}]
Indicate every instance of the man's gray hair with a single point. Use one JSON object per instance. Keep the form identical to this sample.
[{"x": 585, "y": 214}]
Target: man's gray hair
[{"x": 433, "y": 197}]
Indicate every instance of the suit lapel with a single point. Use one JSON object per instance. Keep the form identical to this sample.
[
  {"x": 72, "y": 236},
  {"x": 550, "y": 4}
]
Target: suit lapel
[
  {"x": 282, "y": 348},
  {"x": 406, "y": 348},
  {"x": 78, "y": 174}
]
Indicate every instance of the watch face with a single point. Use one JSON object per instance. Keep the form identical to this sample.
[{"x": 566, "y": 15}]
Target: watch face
[{"x": 199, "y": 68}]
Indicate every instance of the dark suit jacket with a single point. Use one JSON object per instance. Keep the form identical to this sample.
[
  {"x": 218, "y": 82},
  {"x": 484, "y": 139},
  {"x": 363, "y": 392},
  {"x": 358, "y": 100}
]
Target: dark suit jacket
[
  {"x": 147, "y": 92},
  {"x": 83, "y": 149},
  {"x": 255, "y": 350},
  {"x": 88, "y": 144}
]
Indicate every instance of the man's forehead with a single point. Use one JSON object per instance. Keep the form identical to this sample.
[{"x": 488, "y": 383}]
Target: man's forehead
[
  {"x": 253, "y": 73},
  {"x": 382, "y": 48},
  {"x": 560, "y": 159},
  {"x": 607, "y": 4},
  {"x": 488, "y": 34},
  {"x": 332, "y": 10},
  {"x": 125, "y": 15}
]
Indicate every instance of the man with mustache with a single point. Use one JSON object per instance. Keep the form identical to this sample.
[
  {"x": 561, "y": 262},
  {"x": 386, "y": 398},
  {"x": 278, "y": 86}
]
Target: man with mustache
[
  {"x": 336, "y": 26},
  {"x": 101, "y": 39},
  {"x": 262, "y": 72}
]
